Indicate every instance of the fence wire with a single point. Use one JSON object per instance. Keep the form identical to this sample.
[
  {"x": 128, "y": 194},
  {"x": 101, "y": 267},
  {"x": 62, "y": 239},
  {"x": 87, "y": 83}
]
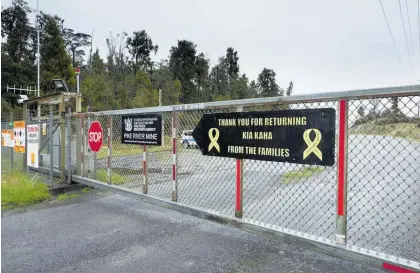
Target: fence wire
[
  {"x": 293, "y": 196},
  {"x": 383, "y": 180},
  {"x": 384, "y": 176},
  {"x": 204, "y": 182}
]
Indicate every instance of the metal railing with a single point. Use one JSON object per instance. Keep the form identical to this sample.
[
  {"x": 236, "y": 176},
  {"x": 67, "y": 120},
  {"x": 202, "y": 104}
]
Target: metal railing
[{"x": 367, "y": 202}]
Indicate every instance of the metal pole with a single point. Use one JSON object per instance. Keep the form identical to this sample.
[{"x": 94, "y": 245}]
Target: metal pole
[
  {"x": 109, "y": 149},
  {"x": 174, "y": 157},
  {"x": 50, "y": 137},
  {"x": 78, "y": 98},
  {"x": 145, "y": 185},
  {"x": 38, "y": 56},
  {"x": 25, "y": 118},
  {"x": 160, "y": 97},
  {"x": 239, "y": 181},
  {"x": 82, "y": 146},
  {"x": 68, "y": 152},
  {"x": 341, "y": 222},
  {"x": 62, "y": 113}
]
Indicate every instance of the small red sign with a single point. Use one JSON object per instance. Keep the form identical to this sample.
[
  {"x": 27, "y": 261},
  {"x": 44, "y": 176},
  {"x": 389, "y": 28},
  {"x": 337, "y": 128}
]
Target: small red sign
[
  {"x": 77, "y": 70},
  {"x": 95, "y": 136}
]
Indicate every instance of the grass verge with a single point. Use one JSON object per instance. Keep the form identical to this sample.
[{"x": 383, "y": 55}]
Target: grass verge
[
  {"x": 116, "y": 179},
  {"x": 67, "y": 196},
  {"x": 18, "y": 189},
  {"x": 305, "y": 172},
  {"x": 408, "y": 131},
  {"x": 119, "y": 149}
]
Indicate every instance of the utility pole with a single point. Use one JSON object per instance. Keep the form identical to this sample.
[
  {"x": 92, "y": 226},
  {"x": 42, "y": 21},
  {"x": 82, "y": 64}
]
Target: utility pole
[{"x": 38, "y": 55}]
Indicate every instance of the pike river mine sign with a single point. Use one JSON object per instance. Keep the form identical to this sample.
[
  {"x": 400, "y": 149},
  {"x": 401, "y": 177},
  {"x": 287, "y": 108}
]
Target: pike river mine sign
[
  {"x": 142, "y": 129},
  {"x": 297, "y": 136}
]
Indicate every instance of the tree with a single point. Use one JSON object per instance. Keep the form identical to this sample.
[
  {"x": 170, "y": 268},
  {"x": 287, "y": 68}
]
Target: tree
[
  {"x": 394, "y": 106},
  {"x": 267, "y": 84},
  {"x": 202, "y": 74},
  {"x": 289, "y": 89},
  {"x": 232, "y": 62},
  {"x": 15, "y": 26},
  {"x": 361, "y": 111},
  {"x": 162, "y": 79},
  {"x": 56, "y": 62},
  {"x": 75, "y": 41},
  {"x": 253, "y": 89},
  {"x": 17, "y": 59},
  {"x": 140, "y": 46},
  {"x": 239, "y": 88},
  {"x": 120, "y": 74},
  {"x": 182, "y": 65},
  {"x": 97, "y": 64},
  {"x": 219, "y": 81},
  {"x": 96, "y": 93},
  {"x": 146, "y": 96}
]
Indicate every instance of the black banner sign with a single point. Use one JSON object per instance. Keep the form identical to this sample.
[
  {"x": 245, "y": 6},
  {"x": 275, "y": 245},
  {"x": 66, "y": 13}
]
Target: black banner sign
[
  {"x": 297, "y": 136},
  {"x": 142, "y": 129}
]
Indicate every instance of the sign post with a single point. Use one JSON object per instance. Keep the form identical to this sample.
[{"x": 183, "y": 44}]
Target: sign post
[
  {"x": 297, "y": 136},
  {"x": 33, "y": 145},
  {"x": 78, "y": 98},
  {"x": 142, "y": 130},
  {"x": 95, "y": 136}
]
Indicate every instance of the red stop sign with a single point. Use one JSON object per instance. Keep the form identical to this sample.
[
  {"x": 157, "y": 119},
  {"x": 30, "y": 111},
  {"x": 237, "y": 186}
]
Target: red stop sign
[{"x": 95, "y": 136}]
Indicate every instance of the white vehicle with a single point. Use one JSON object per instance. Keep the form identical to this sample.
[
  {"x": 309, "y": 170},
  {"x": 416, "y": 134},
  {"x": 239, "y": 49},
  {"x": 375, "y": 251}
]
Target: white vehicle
[
  {"x": 187, "y": 140},
  {"x": 22, "y": 98}
]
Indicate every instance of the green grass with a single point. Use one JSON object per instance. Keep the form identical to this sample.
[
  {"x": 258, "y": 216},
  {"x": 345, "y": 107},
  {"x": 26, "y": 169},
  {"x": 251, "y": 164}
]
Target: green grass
[
  {"x": 87, "y": 189},
  {"x": 67, "y": 196},
  {"x": 305, "y": 172},
  {"x": 116, "y": 179},
  {"x": 119, "y": 149},
  {"x": 18, "y": 189}
]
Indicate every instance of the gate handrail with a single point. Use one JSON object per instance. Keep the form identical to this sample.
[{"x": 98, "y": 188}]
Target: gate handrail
[{"x": 408, "y": 90}]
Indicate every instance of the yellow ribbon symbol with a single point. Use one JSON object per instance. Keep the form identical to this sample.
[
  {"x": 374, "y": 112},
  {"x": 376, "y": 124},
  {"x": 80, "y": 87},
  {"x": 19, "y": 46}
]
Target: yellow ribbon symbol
[
  {"x": 214, "y": 139},
  {"x": 312, "y": 145}
]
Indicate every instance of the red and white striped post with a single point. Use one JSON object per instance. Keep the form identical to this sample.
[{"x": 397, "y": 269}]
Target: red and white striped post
[
  {"x": 145, "y": 184},
  {"x": 109, "y": 149},
  {"x": 174, "y": 158},
  {"x": 239, "y": 182},
  {"x": 82, "y": 145},
  {"x": 341, "y": 224}
]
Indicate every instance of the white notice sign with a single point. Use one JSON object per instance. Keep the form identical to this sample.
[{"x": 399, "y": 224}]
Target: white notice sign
[{"x": 33, "y": 145}]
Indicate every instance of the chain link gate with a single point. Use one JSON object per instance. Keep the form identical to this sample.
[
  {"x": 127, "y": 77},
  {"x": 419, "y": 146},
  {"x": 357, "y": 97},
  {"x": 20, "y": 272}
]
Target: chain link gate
[{"x": 368, "y": 202}]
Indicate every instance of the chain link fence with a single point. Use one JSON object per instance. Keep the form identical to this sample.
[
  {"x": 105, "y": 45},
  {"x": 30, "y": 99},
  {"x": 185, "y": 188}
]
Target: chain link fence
[
  {"x": 384, "y": 175},
  {"x": 382, "y": 179},
  {"x": 49, "y": 148}
]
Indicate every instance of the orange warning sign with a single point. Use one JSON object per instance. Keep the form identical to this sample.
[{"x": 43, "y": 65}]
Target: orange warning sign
[{"x": 19, "y": 136}]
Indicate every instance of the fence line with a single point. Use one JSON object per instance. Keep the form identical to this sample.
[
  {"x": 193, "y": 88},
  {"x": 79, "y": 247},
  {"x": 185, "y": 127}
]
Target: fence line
[{"x": 367, "y": 202}]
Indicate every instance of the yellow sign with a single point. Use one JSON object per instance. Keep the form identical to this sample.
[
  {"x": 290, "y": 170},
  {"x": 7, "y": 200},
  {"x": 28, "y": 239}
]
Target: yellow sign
[
  {"x": 213, "y": 139},
  {"x": 312, "y": 144},
  {"x": 19, "y": 136}
]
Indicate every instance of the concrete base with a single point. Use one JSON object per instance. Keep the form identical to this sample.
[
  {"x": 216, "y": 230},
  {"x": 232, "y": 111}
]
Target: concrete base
[{"x": 60, "y": 189}]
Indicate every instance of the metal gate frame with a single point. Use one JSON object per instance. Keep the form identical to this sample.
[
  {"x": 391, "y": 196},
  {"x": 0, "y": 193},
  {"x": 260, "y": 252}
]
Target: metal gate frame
[{"x": 337, "y": 247}]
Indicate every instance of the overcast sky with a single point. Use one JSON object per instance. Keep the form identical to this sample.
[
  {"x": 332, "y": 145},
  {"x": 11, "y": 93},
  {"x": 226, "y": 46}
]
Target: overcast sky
[{"x": 325, "y": 45}]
